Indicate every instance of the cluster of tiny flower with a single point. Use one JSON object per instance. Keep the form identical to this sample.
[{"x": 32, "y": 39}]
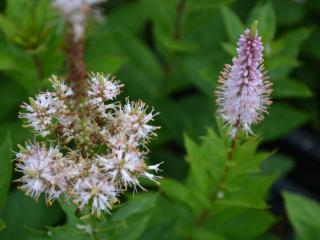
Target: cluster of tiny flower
[
  {"x": 91, "y": 160},
  {"x": 76, "y": 13},
  {"x": 243, "y": 90}
]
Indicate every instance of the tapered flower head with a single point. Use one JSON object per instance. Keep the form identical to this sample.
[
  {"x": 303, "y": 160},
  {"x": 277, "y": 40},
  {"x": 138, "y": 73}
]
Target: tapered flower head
[
  {"x": 243, "y": 91},
  {"x": 76, "y": 13}
]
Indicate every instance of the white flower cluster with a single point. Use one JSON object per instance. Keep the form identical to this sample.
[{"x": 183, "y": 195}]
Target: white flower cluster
[
  {"x": 91, "y": 160},
  {"x": 76, "y": 13}
]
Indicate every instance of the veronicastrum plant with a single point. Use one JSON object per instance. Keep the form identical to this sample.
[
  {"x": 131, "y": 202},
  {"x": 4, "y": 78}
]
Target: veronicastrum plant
[
  {"x": 88, "y": 154},
  {"x": 92, "y": 149}
]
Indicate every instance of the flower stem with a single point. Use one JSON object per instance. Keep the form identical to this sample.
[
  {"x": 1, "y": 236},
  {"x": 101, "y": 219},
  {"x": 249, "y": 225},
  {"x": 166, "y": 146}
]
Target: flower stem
[
  {"x": 177, "y": 27},
  {"x": 75, "y": 64}
]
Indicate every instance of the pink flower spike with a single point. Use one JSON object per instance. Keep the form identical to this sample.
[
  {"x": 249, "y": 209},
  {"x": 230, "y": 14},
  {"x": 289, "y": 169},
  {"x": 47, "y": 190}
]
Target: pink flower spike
[{"x": 243, "y": 92}]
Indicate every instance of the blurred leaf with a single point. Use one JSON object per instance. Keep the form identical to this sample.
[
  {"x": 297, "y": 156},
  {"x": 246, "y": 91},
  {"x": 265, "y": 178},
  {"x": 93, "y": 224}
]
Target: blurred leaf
[
  {"x": 304, "y": 214},
  {"x": 204, "y": 234},
  {"x": 266, "y": 21},
  {"x": 11, "y": 95},
  {"x": 17, "y": 132},
  {"x": 313, "y": 47},
  {"x": 200, "y": 5},
  {"x": 70, "y": 210},
  {"x": 241, "y": 223},
  {"x": 174, "y": 45},
  {"x": 279, "y": 67},
  {"x": 138, "y": 204},
  {"x": 252, "y": 196},
  {"x": 7, "y": 26},
  {"x": 106, "y": 63},
  {"x": 5, "y": 169},
  {"x": 132, "y": 219},
  {"x": 22, "y": 211},
  {"x": 289, "y": 12},
  {"x": 290, "y": 88},
  {"x": 67, "y": 232},
  {"x": 279, "y": 165},
  {"x": 6, "y": 61},
  {"x": 230, "y": 48},
  {"x": 289, "y": 42},
  {"x": 119, "y": 16},
  {"x": 291, "y": 118},
  {"x": 2, "y": 225},
  {"x": 162, "y": 13},
  {"x": 232, "y": 24},
  {"x": 175, "y": 190}
]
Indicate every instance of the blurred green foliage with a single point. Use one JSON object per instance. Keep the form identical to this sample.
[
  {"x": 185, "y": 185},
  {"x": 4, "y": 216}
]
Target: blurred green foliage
[{"x": 168, "y": 53}]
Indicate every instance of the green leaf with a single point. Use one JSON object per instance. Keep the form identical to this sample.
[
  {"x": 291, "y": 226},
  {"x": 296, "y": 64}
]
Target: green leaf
[
  {"x": 266, "y": 18},
  {"x": 278, "y": 165},
  {"x": 176, "y": 46},
  {"x": 175, "y": 190},
  {"x": 293, "y": 14},
  {"x": 304, "y": 214},
  {"x": 6, "y": 61},
  {"x": 206, "y": 163},
  {"x": 291, "y": 118},
  {"x": 291, "y": 88},
  {"x": 118, "y": 17},
  {"x": 7, "y": 26},
  {"x": 202, "y": 5},
  {"x": 2, "y": 225},
  {"x": 5, "y": 169},
  {"x": 230, "y": 48},
  {"x": 131, "y": 220},
  {"x": 67, "y": 232},
  {"x": 203, "y": 234},
  {"x": 70, "y": 210},
  {"x": 233, "y": 24},
  {"x": 241, "y": 223},
  {"x": 105, "y": 63},
  {"x": 289, "y": 43},
  {"x": 23, "y": 212},
  {"x": 138, "y": 204},
  {"x": 251, "y": 196}
]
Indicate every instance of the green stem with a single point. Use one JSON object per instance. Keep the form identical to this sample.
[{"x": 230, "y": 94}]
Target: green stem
[
  {"x": 94, "y": 236},
  {"x": 177, "y": 27},
  {"x": 39, "y": 67}
]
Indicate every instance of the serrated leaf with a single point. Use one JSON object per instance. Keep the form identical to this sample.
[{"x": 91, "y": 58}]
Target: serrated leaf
[
  {"x": 206, "y": 162},
  {"x": 304, "y": 214},
  {"x": 248, "y": 192},
  {"x": 5, "y": 169}
]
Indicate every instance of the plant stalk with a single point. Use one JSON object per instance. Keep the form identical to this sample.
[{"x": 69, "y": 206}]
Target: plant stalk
[{"x": 76, "y": 69}]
